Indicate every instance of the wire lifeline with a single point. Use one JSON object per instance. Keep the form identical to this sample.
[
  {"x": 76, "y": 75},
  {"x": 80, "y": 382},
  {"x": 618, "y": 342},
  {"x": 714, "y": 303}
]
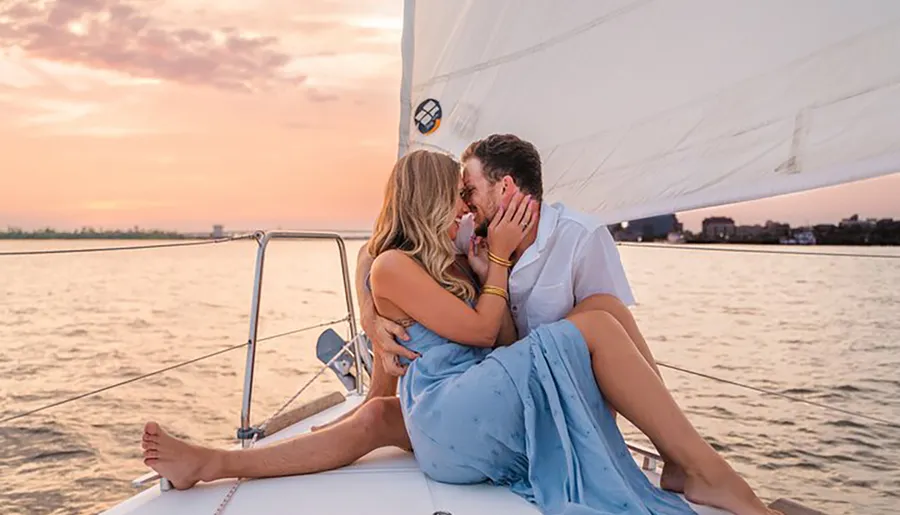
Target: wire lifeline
[
  {"x": 265, "y": 423},
  {"x": 46, "y": 252},
  {"x": 777, "y": 394},
  {"x": 704, "y": 248},
  {"x": 163, "y": 370}
]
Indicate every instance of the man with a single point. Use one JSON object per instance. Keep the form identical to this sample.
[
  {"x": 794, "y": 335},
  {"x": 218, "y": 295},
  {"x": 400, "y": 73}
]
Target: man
[{"x": 566, "y": 259}]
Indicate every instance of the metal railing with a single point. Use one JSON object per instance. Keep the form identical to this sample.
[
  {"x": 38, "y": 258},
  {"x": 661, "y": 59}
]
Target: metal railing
[{"x": 245, "y": 433}]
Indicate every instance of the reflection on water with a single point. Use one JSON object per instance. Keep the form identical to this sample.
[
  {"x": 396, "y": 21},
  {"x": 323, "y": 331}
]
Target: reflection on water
[{"x": 822, "y": 328}]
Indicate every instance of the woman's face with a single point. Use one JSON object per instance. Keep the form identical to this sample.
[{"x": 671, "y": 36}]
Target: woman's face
[{"x": 461, "y": 210}]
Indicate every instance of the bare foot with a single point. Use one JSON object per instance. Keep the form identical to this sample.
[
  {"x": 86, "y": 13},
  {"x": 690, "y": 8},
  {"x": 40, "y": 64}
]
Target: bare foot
[
  {"x": 673, "y": 478},
  {"x": 181, "y": 463},
  {"x": 726, "y": 490}
]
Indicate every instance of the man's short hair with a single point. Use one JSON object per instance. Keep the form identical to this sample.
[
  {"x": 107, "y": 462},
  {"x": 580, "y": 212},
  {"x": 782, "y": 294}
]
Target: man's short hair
[{"x": 506, "y": 154}]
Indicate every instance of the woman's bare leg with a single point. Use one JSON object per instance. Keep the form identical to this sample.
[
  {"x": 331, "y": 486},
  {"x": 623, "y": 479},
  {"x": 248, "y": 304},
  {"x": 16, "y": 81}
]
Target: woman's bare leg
[
  {"x": 622, "y": 314},
  {"x": 673, "y": 476},
  {"x": 377, "y": 424},
  {"x": 627, "y": 381}
]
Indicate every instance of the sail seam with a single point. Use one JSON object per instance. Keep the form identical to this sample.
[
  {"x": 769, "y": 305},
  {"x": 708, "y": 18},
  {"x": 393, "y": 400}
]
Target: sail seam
[
  {"x": 714, "y": 139},
  {"x": 514, "y": 56}
]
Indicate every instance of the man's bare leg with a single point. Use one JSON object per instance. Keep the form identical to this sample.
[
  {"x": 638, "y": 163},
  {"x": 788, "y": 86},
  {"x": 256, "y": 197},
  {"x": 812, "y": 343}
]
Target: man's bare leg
[
  {"x": 673, "y": 476},
  {"x": 383, "y": 385},
  {"x": 626, "y": 380},
  {"x": 379, "y": 423},
  {"x": 382, "y": 333}
]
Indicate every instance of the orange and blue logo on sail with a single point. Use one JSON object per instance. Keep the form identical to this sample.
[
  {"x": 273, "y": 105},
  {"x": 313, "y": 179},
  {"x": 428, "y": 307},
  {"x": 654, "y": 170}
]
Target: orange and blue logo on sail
[{"x": 428, "y": 116}]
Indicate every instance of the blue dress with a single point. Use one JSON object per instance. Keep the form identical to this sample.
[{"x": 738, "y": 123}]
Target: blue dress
[{"x": 528, "y": 416}]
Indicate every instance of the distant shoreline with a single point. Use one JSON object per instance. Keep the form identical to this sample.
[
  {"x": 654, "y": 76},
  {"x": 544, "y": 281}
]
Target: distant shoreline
[
  {"x": 126, "y": 237},
  {"x": 358, "y": 237},
  {"x": 97, "y": 237},
  {"x": 776, "y": 244}
]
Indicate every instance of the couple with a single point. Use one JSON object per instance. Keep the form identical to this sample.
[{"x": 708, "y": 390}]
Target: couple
[{"x": 521, "y": 350}]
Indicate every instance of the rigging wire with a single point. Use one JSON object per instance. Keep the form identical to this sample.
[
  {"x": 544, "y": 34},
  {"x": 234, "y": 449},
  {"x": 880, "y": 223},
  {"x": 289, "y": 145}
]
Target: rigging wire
[
  {"x": 706, "y": 248},
  {"x": 44, "y": 252},
  {"x": 163, "y": 370},
  {"x": 778, "y": 394},
  {"x": 703, "y": 248}
]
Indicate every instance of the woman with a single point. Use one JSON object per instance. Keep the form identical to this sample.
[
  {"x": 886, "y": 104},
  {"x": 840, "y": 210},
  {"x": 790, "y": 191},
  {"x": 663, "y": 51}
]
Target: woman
[{"x": 531, "y": 415}]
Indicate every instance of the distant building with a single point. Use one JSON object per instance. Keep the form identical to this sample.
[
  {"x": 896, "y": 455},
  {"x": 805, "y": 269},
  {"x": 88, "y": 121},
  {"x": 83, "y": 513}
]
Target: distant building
[
  {"x": 854, "y": 221},
  {"x": 647, "y": 229},
  {"x": 777, "y": 230},
  {"x": 718, "y": 228},
  {"x": 749, "y": 232},
  {"x": 805, "y": 237},
  {"x": 620, "y": 232},
  {"x": 850, "y": 222},
  {"x": 218, "y": 231}
]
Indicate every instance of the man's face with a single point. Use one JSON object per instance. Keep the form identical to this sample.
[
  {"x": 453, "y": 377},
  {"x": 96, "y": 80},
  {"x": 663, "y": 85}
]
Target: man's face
[
  {"x": 461, "y": 210},
  {"x": 482, "y": 197}
]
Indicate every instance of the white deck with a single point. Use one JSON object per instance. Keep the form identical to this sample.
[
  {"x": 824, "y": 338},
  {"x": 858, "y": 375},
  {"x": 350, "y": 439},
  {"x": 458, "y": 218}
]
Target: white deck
[{"x": 387, "y": 481}]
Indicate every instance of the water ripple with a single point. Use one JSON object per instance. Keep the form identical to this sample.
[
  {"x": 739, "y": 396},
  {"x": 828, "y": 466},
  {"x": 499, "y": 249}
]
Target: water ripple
[{"x": 824, "y": 329}]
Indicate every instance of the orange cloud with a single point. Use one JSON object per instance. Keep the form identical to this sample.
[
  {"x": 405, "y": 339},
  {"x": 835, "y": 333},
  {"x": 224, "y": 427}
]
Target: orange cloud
[
  {"x": 118, "y": 35},
  {"x": 185, "y": 113}
]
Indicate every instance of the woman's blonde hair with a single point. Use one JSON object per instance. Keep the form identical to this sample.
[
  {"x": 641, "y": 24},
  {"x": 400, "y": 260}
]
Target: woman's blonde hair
[{"x": 419, "y": 208}]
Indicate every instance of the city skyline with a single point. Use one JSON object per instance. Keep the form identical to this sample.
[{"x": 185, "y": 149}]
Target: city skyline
[{"x": 181, "y": 115}]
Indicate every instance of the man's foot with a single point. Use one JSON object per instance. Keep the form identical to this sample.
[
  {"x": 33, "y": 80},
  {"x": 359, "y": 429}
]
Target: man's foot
[
  {"x": 725, "y": 490},
  {"x": 673, "y": 478},
  {"x": 181, "y": 463}
]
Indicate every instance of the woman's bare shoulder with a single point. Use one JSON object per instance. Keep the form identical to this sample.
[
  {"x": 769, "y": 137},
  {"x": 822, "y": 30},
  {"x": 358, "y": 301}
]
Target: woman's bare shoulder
[{"x": 392, "y": 263}]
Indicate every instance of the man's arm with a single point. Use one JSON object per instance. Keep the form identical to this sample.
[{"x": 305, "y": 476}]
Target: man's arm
[
  {"x": 600, "y": 284},
  {"x": 598, "y": 268},
  {"x": 508, "y": 334},
  {"x": 385, "y": 367}
]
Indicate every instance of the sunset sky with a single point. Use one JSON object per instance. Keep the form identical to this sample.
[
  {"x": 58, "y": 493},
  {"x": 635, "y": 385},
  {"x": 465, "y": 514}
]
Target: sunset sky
[{"x": 179, "y": 114}]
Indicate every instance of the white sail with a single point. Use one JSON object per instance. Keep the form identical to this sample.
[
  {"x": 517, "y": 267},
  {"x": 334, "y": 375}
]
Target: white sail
[{"x": 643, "y": 107}]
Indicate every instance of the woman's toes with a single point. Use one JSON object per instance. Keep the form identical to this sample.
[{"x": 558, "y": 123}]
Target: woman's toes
[{"x": 151, "y": 428}]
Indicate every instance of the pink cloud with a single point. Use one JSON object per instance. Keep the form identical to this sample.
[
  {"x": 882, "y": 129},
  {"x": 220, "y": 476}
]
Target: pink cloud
[{"x": 122, "y": 35}]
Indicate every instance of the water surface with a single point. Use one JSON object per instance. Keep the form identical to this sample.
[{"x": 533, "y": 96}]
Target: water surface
[{"x": 823, "y": 328}]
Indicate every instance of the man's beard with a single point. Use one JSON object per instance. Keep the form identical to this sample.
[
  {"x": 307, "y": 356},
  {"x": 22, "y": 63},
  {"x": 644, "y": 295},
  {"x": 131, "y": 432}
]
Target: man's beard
[{"x": 481, "y": 230}]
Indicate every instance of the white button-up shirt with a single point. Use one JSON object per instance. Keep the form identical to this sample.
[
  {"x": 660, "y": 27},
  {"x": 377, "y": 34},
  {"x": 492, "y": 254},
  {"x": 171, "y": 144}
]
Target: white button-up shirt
[{"x": 572, "y": 258}]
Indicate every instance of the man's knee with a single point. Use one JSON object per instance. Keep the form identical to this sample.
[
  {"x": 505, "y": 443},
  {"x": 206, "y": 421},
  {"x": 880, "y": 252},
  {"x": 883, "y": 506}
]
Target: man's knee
[
  {"x": 373, "y": 413},
  {"x": 381, "y": 420}
]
